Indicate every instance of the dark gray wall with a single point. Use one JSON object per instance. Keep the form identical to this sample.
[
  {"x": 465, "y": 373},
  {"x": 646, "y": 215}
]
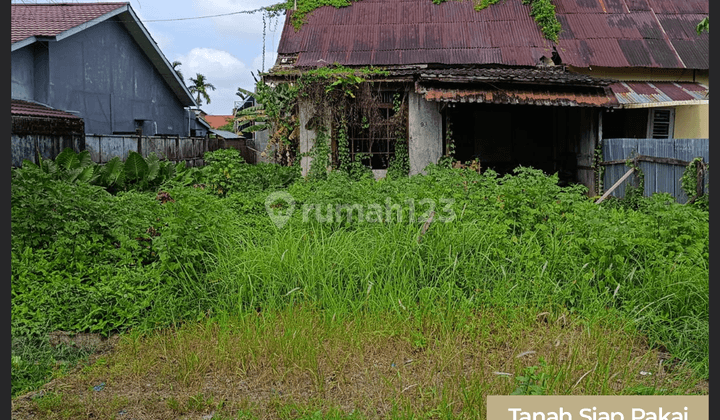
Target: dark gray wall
[
  {"x": 104, "y": 75},
  {"x": 23, "y": 74}
]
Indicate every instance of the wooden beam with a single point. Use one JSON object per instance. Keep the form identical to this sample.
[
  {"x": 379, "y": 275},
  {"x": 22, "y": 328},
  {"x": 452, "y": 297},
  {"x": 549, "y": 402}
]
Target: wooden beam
[
  {"x": 617, "y": 184},
  {"x": 651, "y": 159}
]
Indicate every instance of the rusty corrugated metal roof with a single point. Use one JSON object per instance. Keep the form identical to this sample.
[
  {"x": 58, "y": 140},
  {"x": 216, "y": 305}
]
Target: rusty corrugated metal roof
[
  {"x": 536, "y": 76},
  {"x": 532, "y": 95},
  {"x": 33, "y": 109},
  {"x": 28, "y": 20},
  {"x": 655, "y": 94},
  {"x": 406, "y": 32},
  {"x": 608, "y": 33}
]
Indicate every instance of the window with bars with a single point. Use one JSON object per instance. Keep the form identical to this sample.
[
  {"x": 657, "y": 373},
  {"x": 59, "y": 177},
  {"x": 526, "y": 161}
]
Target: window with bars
[
  {"x": 374, "y": 141},
  {"x": 661, "y": 123}
]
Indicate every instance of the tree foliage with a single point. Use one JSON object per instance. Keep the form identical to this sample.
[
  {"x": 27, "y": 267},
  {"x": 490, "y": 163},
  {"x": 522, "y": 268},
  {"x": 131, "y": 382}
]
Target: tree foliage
[
  {"x": 175, "y": 65},
  {"x": 276, "y": 111},
  {"x": 200, "y": 87}
]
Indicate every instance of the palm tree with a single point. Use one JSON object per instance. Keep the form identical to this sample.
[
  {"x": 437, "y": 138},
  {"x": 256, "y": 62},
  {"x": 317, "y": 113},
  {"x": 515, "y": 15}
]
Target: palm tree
[
  {"x": 175, "y": 65},
  {"x": 200, "y": 87}
]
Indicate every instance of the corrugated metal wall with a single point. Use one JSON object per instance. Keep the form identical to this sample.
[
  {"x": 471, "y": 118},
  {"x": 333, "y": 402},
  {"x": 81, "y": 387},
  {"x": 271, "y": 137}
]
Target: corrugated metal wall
[{"x": 659, "y": 177}]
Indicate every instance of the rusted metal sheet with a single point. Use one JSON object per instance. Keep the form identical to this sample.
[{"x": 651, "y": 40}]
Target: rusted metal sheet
[
  {"x": 680, "y": 26},
  {"x": 546, "y": 76},
  {"x": 646, "y": 94},
  {"x": 388, "y": 32},
  {"x": 516, "y": 96},
  {"x": 637, "y": 5},
  {"x": 694, "y": 54},
  {"x": 609, "y": 33}
]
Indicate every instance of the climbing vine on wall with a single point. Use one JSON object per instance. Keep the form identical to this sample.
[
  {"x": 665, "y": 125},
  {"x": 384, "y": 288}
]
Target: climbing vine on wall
[
  {"x": 599, "y": 169},
  {"x": 693, "y": 177},
  {"x": 347, "y": 96},
  {"x": 352, "y": 99},
  {"x": 634, "y": 192},
  {"x": 448, "y": 159}
]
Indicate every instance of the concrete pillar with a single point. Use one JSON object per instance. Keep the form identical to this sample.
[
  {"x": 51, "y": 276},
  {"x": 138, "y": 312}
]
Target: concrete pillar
[
  {"x": 425, "y": 133},
  {"x": 307, "y": 137},
  {"x": 308, "y": 132}
]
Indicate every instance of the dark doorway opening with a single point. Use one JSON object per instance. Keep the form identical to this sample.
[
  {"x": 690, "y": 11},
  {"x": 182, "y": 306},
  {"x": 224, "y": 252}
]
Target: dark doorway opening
[{"x": 503, "y": 137}]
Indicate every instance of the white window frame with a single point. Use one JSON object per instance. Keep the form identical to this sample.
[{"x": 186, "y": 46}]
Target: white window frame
[{"x": 651, "y": 123}]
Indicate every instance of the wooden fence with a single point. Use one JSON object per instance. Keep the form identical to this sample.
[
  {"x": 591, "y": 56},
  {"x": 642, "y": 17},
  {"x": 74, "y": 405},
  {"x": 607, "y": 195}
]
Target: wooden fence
[
  {"x": 175, "y": 149},
  {"x": 102, "y": 148},
  {"x": 662, "y": 162}
]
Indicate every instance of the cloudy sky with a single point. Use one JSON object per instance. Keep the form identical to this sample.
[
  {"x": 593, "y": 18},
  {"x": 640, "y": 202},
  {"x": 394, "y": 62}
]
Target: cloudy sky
[{"x": 224, "y": 49}]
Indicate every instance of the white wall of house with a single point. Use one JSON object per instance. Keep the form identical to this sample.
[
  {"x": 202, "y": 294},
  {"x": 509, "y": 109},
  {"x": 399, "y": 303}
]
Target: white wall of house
[
  {"x": 308, "y": 134},
  {"x": 425, "y": 133}
]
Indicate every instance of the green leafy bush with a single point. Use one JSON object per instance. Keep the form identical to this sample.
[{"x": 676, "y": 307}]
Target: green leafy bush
[
  {"x": 87, "y": 260},
  {"x": 226, "y": 172}
]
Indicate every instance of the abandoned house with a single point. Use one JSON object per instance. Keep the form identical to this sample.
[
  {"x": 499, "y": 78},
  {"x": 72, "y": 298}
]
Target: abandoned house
[
  {"x": 98, "y": 62},
  {"x": 493, "y": 85}
]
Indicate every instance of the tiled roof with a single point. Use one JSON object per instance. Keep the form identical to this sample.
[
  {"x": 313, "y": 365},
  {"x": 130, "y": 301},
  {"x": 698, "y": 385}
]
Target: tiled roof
[
  {"x": 64, "y": 19},
  {"x": 611, "y": 33},
  {"x": 28, "y": 20},
  {"x": 217, "y": 121},
  {"x": 32, "y": 109}
]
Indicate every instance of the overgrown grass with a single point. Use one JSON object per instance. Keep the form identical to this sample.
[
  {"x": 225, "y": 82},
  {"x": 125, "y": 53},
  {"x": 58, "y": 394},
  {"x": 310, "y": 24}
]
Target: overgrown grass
[{"x": 84, "y": 260}]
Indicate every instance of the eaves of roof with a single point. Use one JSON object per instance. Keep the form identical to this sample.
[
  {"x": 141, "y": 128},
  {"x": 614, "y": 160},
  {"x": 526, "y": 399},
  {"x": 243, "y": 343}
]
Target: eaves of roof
[
  {"x": 520, "y": 95},
  {"x": 551, "y": 76}
]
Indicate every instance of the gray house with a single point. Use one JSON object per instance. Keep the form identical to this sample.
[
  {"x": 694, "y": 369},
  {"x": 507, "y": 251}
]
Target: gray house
[{"x": 97, "y": 61}]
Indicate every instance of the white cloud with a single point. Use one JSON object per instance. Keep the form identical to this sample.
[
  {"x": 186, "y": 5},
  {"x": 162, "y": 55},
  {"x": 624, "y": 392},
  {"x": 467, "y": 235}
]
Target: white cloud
[
  {"x": 163, "y": 40},
  {"x": 222, "y": 70},
  {"x": 215, "y": 65},
  {"x": 242, "y": 23},
  {"x": 270, "y": 57}
]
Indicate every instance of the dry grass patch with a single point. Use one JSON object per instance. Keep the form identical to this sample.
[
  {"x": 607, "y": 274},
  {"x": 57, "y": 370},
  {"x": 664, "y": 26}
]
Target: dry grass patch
[{"x": 301, "y": 363}]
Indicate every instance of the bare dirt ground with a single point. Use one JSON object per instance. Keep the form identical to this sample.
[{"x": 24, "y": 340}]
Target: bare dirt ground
[{"x": 373, "y": 379}]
